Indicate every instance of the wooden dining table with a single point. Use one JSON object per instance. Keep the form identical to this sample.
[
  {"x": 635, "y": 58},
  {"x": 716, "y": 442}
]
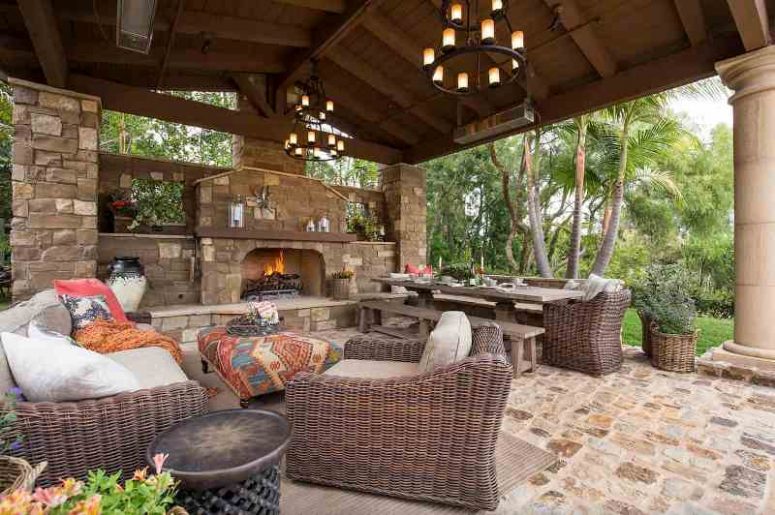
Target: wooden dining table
[{"x": 504, "y": 299}]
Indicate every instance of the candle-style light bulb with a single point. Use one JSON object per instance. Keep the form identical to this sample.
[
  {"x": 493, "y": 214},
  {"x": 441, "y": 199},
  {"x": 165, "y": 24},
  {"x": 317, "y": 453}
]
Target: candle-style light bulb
[
  {"x": 330, "y": 106},
  {"x": 340, "y": 145},
  {"x": 316, "y": 153},
  {"x": 517, "y": 40},
  {"x": 456, "y": 13},
  {"x": 462, "y": 82},
  {"x": 438, "y": 75},
  {"x": 448, "y": 39},
  {"x": 297, "y": 151},
  {"x": 514, "y": 64},
  {"x": 286, "y": 144},
  {"x": 305, "y": 100},
  {"x": 428, "y": 56},
  {"x": 494, "y": 74},
  {"x": 497, "y": 7},
  {"x": 331, "y": 140},
  {"x": 293, "y": 139},
  {"x": 488, "y": 31},
  {"x": 311, "y": 137}
]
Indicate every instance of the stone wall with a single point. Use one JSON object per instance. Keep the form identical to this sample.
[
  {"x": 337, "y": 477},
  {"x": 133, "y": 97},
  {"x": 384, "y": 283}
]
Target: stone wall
[
  {"x": 406, "y": 209},
  {"x": 170, "y": 265},
  {"x": 221, "y": 263},
  {"x": 54, "y": 181}
]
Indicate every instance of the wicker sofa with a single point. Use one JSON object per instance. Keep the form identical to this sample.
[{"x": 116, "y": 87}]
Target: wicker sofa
[
  {"x": 586, "y": 335},
  {"x": 429, "y": 437},
  {"x": 111, "y": 433}
]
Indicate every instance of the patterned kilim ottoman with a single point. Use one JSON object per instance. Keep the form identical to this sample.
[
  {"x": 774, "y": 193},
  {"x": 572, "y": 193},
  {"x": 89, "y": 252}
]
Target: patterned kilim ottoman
[{"x": 255, "y": 365}]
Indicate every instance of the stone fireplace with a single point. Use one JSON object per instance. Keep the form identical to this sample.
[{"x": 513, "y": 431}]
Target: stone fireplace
[{"x": 281, "y": 273}]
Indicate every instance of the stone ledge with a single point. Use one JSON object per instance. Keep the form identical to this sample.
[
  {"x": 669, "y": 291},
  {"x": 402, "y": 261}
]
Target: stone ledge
[
  {"x": 712, "y": 363},
  {"x": 50, "y": 89},
  {"x": 148, "y": 236}
]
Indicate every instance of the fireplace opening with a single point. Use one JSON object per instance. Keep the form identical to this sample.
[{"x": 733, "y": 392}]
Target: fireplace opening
[{"x": 281, "y": 273}]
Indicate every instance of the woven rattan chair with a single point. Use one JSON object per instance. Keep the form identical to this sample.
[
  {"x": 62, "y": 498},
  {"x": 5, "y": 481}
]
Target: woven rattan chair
[
  {"x": 110, "y": 433},
  {"x": 429, "y": 437},
  {"x": 586, "y": 335}
]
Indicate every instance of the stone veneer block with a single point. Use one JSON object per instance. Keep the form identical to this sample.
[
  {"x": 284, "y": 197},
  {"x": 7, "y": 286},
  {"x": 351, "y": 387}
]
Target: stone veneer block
[{"x": 54, "y": 229}]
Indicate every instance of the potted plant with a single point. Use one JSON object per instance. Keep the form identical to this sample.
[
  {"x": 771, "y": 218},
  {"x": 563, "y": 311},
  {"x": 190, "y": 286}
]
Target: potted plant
[
  {"x": 664, "y": 304},
  {"x": 157, "y": 204},
  {"x": 15, "y": 473},
  {"x": 340, "y": 284}
]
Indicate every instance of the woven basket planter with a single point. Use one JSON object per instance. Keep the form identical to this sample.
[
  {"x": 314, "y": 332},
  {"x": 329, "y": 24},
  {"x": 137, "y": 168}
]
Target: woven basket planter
[
  {"x": 340, "y": 288},
  {"x": 673, "y": 352},
  {"x": 645, "y": 324},
  {"x": 17, "y": 474}
]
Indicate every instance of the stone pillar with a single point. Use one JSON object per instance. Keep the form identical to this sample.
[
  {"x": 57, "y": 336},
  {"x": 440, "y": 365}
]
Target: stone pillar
[
  {"x": 54, "y": 182},
  {"x": 752, "y": 77},
  {"x": 406, "y": 208},
  {"x": 247, "y": 151}
]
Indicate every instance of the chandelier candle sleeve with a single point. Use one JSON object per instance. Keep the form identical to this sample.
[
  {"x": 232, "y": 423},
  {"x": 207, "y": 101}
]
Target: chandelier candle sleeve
[
  {"x": 428, "y": 56},
  {"x": 293, "y": 139},
  {"x": 497, "y": 7},
  {"x": 494, "y": 74},
  {"x": 456, "y": 13},
  {"x": 331, "y": 140},
  {"x": 517, "y": 40},
  {"x": 330, "y": 106},
  {"x": 438, "y": 75},
  {"x": 340, "y": 145},
  {"x": 305, "y": 100},
  {"x": 310, "y": 136},
  {"x": 488, "y": 31},
  {"x": 448, "y": 39},
  {"x": 462, "y": 81}
]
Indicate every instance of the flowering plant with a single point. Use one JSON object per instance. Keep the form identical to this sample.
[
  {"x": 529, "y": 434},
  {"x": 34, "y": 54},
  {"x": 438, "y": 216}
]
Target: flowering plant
[
  {"x": 9, "y": 441},
  {"x": 100, "y": 494},
  {"x": 122, "y": 204},
  {"x": 343, "y": 274}
]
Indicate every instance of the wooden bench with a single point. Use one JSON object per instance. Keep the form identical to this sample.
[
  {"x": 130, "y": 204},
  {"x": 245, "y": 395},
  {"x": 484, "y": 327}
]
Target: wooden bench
[{"x": 523, "y": 337}]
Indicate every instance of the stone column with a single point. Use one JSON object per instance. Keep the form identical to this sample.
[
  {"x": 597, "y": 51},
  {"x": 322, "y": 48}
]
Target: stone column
[
  {"x": 54, "y": 182},
  {"x": 406, "y": 208},
  {"x": 752, "y": 77}
]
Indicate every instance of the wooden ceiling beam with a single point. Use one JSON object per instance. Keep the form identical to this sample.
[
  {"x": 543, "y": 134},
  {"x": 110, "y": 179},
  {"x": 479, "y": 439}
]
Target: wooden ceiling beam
[
  {"x": 141, "y": 102},
  {"x": 42, "y": 27},
  {"x": 331, "y": 6},
  {"x": 583, "y": 34},
  {"x": 693, "y": 20},
  {"x": 752, "y": 22},
  {"x": 388, "y": 87},
  {"x": 219, "y": 26},
  {"x": 671, "y": 71},
  {"x": 254, "y": 87}
]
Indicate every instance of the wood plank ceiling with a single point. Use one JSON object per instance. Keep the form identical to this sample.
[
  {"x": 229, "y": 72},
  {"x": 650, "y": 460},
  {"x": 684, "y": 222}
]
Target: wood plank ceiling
[{"x": 583, "y": 55}]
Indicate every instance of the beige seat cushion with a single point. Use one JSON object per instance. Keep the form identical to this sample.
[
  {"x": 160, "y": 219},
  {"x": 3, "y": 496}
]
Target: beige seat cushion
[
  {"x": 369, "y": 369},
  {"x": 152, "y": 366},
  {"x": 449, "y": 342}
]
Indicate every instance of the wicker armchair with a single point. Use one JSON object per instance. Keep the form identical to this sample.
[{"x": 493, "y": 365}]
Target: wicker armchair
[
  {"x": 428, "y": 437},
  {"x": 586, "y": 336},
  {"x": 110, "y": 433}
]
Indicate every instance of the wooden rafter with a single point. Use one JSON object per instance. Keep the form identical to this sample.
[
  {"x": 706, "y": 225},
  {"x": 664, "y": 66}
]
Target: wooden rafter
[
  {"x": 693, "y": 20},
  {"x": 752, "y": 22},
  {"x": 44, "y": 33},
  {"x": 583, "y": 34},
  {"x": 219, "y": 26},
  {"x": 331, "y": 6},
  {"x": 254, "y": 87},
  {"x": 674, "y": 70},
  {"x": 119, "y": 97},
  {"x": 170, "y": 42}
]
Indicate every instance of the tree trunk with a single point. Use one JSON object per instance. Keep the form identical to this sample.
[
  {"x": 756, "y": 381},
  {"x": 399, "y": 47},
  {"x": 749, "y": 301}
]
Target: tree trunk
[
  {"x": 513, "y": 218},
  {"x": 574, "y": 249},
  {"x": 534, "y": 208},
  {"x": 606, "y": 251}
]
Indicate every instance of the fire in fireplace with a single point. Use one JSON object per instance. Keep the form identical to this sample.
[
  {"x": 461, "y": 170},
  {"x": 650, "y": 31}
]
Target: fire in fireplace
[{"x": 280, "y": 273}]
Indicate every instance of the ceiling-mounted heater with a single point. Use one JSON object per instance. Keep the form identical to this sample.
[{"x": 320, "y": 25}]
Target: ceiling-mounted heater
[
  {"x": 497, "y": 124},
  {"x": 134, "y": 24}
]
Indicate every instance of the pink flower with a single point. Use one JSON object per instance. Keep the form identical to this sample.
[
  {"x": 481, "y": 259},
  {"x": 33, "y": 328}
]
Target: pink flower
[
  {"x": 158, "y": 461},
  {"x": 51, "y": 497}
]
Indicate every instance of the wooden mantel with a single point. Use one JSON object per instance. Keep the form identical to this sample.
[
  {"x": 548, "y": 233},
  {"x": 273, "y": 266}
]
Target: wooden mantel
[{"x": 253, "y": 234}]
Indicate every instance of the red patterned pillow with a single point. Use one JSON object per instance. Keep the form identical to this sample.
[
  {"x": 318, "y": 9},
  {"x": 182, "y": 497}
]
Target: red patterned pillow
[{"x": 91, "y": 288}]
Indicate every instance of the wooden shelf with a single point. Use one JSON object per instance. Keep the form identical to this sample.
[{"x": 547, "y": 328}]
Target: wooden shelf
[{"x": 252, "y": 234}]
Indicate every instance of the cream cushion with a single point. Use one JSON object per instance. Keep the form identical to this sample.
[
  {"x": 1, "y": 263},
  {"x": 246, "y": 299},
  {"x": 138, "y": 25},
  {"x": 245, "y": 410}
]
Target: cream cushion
[
  {"x": 369, "y": 369},
  {"x": 449, "y": 342},
  {"x": 596, "y": 284},
  {"x": 48, "y": 371},
  {"x": 152, "y": 366}
]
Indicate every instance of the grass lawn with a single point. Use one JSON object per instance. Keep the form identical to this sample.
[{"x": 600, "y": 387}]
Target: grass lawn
[
  {"x": 3, "y": 304},
  {"x": 713, "y": 331}
]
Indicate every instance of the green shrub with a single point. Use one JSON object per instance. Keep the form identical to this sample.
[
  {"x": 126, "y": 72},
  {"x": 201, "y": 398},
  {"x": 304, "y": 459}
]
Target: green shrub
[{"x": 663, "y": 297}]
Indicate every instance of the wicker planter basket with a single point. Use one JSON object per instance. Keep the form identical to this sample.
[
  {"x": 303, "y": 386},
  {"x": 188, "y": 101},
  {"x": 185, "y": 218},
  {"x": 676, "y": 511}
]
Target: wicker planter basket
[
  {"x": 16, "y": 473},
  {"x": 645, "y": 324},
  {"x": 340, "y": 288},
  {"x": 672, "y": 352}
]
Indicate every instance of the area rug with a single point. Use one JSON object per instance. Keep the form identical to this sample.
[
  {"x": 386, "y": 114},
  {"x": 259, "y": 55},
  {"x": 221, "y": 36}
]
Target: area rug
[{"x": 515, "y": 459}]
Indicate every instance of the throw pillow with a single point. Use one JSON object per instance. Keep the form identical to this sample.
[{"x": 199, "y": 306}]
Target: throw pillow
[
  {"x": 597, "y": 284},
  {"x": 40, "y": 333},
  {"x": 449, "y": 342},
  {"x": 47, "y": 372},
  {"x": 91, "y": 288},
  {"x": 85, "y": 310}
]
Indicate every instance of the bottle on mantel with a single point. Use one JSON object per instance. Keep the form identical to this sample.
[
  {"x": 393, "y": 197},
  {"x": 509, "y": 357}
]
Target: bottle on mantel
[{"x": 310, "y": 225}]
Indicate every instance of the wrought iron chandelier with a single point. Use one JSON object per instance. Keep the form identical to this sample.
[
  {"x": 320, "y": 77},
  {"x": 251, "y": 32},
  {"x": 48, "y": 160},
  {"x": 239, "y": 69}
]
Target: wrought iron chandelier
[
  {"x": 313, "y": 138},
  {"x": 466, "y": 38}
]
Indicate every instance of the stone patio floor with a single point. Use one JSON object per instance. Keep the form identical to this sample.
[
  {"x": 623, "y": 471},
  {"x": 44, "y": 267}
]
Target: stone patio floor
[{"x": 636, "y": 441}]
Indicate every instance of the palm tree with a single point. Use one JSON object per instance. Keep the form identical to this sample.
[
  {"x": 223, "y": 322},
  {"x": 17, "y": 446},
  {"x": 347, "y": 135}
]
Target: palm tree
[
  {"x": 580, "y": 124},
  {"x": 639, "y": 133},
  {"x": 532, "y": 167}
]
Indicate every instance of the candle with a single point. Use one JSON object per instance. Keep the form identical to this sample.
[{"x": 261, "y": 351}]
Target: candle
[
  {"x": 497, "y": 6},
  {"x": 311, "y": 136},
  {"x": 428, "y": 56},
  {"x": 340, "y": 145},
  {"x": 494, "y": 74},
  {"x": 456, "y": 13},
  {"x": 462, "y": 82},
  {"x": 316, "y": 153},
  {"x": 438, "y": 75},
  {"x": 286, "y": 144},
  {"x": 517, "y": 40},
  {"x": 330, "y": 106},
  {"x": 322, "y": 116},
  {"x": 448, "y": 39},
  {"x": 297, "y": 152},
  {"x": 514, "y": 64},
  {"x": 488, "y": 31},
  {"x": 294, "y": 140},
  {"x": 331, "y": 140},
  {"x": 305, "y": 100}
]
